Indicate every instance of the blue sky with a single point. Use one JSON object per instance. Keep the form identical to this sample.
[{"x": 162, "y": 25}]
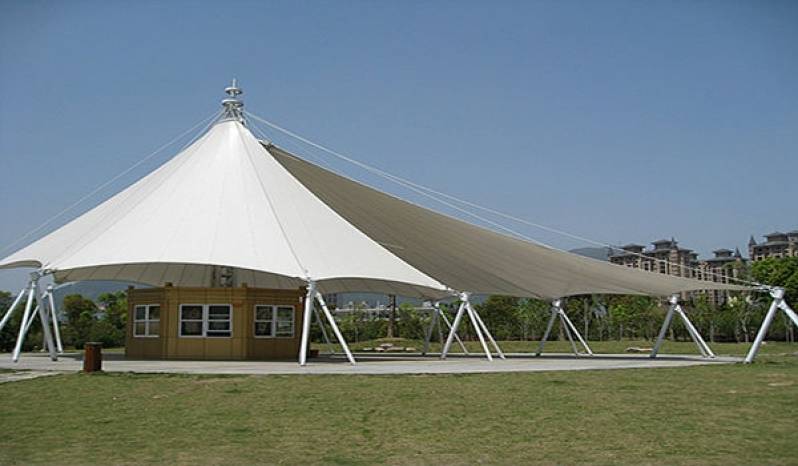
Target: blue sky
[{"x": 619, "y": 121}]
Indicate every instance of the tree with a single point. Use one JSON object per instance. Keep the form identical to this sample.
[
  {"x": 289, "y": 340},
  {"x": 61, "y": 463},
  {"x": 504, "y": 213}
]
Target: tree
[
  {"x": 584, "y": 308},
  {"x": 703, "y": 316},
  {"x": 633, "y": 315},
  {"x": 8, "y": 334},
  {"x": 391, "y": 316},
  {"x": 81, "y": 314},
  {"x": 778, "y": 272},
  {"x": 745, "y": 310},
  {"x": 411, "y": 324},
  {"x": 114, "y": 307},
  {"x": 600, "y": 315},
  {"x": 109, "y": 327},
  {"x": 499, "y": 314},
  {"x": 531, "y": 316}
]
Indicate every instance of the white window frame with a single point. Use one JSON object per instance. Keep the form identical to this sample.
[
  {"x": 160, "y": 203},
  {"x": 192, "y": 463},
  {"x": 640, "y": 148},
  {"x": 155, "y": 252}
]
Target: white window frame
[
  {"x": 205, "y": 320},
  {"x": 146, "y": 321},
  {"x": 180, "y": 321},
  {"x": 274, "y": 308}
]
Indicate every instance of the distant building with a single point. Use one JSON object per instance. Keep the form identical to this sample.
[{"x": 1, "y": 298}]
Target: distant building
[
  {"x": 371, "y": 304},
  {"x": 668, "y": 258},
  {"x": 380, "y": 311},
  {"x": 665, "y": 257},
  {"x": 777, "y": 244},
  {"x": 723, "y": 268},
  {"x": 331, "y": 299}
]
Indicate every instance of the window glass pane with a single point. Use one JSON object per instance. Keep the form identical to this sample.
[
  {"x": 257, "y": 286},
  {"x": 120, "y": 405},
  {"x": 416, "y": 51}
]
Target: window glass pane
[
  {"x": 219, "y": 325},
  {"x": 141, "y": 313},
  {"x": 155, "y": 312},
  {"x": 191, "y": 312},
  {"x": 285, "y": 313},
  {"x": 263, "y": 329},
  {"x": 218, "y": 312},
  {"x": 218, "y": 333},
  {"x": 285, "y": 321},
  {"x": 191, "y": 328},
  {"x": 139, "y": 328},
  {"x": 155, "y": 328},
  {"x": 263, "y": 312},
  {"x": 285, "y": 329}
]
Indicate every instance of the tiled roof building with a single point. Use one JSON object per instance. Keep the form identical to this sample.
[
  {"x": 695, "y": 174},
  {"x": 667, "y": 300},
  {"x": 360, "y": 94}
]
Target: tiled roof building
[
  {"x": 776, "y": 244},
  {"x": 667, "y": 257}
]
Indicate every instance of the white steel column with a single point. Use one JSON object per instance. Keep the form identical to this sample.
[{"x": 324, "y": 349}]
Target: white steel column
[
  {"x": 568, "y": 335},
  {"x": 568, "y": 327},
  {"x": 56, "y": 324},
  {"x": 778, "y": 303},
  {"x": 10, "y": 311},
  {"x": 34, "y": 281},
  {"x": 335, "y": 329},
  {"x": 305, "y": 340},
  {"x": 574, "y": 331},
  {"x": 48, "y": 336},
  {"x": 449, "y": 326},
  {"x": 676, "y": 308},
  {"x": 453, "y": 331},
  {"x": 487, "y": 332},
  {"x": 32, "y": 317},
  {"x": 464, "y": 297},
  {"x": 555, "y": 305},
  {"x": 323, "y": 329},
  {"x": 699, "y": 341},
  {"x": 663, "y": 331},
  {"x": 788, "y": 310}
]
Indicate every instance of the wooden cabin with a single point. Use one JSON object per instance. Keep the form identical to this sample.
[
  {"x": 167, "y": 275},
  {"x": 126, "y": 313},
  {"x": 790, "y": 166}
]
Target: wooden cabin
[{"x": 214, "y": 323}]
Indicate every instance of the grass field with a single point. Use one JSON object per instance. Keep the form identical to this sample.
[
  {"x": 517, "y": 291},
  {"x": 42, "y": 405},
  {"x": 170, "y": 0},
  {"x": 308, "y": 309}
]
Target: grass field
[
  {"x": 563, "y": 346},
  {"x": 694, "y": 415},
  {"x": 558, "y": 346}
]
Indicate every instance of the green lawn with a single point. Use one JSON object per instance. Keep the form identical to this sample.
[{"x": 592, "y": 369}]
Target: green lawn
[
  {"x": 599, "y": 347},
  {"x": 555, "y": 346},
  {"x": 720, "y": 414}
]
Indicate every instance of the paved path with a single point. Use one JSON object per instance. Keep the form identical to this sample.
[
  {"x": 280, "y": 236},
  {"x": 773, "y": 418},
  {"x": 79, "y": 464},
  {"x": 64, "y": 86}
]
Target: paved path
[{"x": 367, "y": 364}]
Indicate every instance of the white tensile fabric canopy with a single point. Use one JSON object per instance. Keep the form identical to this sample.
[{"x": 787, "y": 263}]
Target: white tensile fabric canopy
[
  {"x": 224, "y": 202},
  {"x": 230, "y": 205}
]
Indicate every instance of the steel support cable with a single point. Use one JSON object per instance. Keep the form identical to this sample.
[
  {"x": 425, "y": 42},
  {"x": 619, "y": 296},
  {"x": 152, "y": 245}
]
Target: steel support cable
[
  {"x": 464, "y": 211},
  {"x": 261, "y": 131}
]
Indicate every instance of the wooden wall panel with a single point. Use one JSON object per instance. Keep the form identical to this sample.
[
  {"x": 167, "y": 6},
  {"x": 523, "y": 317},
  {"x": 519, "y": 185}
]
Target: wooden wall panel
[
  {"x": 243, "y": 344},
  {"x": 141, "y": 347}
]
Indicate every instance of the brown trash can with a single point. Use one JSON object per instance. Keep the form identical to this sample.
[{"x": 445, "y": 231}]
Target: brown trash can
[{"x": 92, "y": 357}]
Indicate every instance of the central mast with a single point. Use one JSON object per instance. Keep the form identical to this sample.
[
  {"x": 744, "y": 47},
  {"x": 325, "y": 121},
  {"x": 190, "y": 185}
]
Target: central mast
[{"x": 233, "y": 106}]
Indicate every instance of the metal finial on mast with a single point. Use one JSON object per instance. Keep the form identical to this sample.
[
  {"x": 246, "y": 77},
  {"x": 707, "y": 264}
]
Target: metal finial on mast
[{"x": 233, "y": 106}]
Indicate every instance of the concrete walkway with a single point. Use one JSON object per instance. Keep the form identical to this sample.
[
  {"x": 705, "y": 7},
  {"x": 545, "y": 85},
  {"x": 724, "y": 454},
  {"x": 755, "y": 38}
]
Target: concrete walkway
[{"x": 367, "y": 364}]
